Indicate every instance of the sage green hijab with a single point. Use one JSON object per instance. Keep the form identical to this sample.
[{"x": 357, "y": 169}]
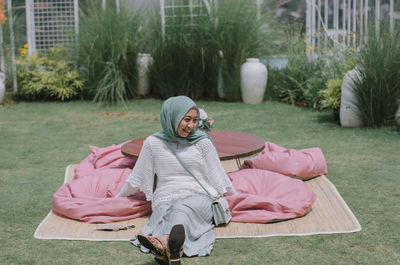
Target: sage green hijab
[{"x": 173, "y": 111}]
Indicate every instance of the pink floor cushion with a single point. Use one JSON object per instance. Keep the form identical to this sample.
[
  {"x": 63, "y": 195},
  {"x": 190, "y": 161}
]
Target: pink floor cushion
[
  {"x": 91, "y": 198},
  {"x": 104, "y": 157},
  {"x": 265, "y": 196},
  {"x": 304, "y": 164}
]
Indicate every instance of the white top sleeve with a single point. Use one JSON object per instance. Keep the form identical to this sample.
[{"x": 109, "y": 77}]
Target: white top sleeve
[
  {"x": 127, "y": 190},
  {"x": 142, "y": 175}
]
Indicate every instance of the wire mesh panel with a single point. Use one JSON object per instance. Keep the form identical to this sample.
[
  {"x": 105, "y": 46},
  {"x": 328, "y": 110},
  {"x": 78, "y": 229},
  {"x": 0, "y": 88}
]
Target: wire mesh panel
[
  {"x": 51, "y": 22},
  {"x": 184, "y": 13}
]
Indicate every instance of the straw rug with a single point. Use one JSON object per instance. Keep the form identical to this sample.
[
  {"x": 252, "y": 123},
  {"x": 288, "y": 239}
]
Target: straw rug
[{"x": 329, "y": 214}]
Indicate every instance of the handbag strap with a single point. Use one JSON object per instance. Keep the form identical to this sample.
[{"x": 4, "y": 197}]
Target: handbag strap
[{"x": 184, "y": 166}]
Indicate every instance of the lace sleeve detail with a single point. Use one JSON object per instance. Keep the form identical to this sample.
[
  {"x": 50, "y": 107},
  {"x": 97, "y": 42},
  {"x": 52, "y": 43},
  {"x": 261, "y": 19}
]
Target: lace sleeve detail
[
  {"x": 213, "y": 168},
  {"x": 142, "y": 175}
]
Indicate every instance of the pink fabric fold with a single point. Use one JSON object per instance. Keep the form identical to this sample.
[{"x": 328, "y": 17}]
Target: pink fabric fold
[
  {"x": 91, "y": 198},
  {"x": 100, "y": 157},
  {"x": 263, "y": 195},
  {"x": 304, "y": 164}
]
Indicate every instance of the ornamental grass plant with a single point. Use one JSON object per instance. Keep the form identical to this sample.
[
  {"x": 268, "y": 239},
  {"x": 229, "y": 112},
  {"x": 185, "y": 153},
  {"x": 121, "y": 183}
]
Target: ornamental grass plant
[
  {"x": 195, "y": 52},
  {"x": 377, "y": 87},
  {"x": 108, "y": 47},
  {"x": 184, "y": 58},
  {"x": 239, "y": 36}
]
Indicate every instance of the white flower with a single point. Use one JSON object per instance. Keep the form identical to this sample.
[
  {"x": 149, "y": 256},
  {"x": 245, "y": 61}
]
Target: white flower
[{"x": 203, "y": 114}]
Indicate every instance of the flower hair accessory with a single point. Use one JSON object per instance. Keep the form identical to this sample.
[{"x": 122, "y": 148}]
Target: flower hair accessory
[{"x": 205, "y": 122}]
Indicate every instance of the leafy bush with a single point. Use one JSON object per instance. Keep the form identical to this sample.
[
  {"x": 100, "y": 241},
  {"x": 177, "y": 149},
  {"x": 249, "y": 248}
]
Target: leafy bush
[
  {"x": 331, "y": 96},
  {"x": 304, "y": 81},
  {"x": 301, "y": 80},
  {"x": 48, "y": 77},
  {"x": 377, "y": 88},
  {"x": 108, "y": 49}
]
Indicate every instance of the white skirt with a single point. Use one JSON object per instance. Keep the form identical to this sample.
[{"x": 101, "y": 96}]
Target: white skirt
[{"x": 194, "y": 212}]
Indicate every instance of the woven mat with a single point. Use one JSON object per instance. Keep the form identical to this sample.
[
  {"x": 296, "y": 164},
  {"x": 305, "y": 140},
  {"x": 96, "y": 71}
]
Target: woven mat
[{"x": 329, "y": 214}]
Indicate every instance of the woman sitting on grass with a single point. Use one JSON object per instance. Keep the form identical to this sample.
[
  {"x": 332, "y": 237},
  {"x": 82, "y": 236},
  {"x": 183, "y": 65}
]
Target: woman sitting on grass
[{"x": 182, "y": 220}]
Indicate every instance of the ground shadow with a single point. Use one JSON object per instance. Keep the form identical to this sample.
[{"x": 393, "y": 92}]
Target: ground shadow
[{"x": 328, "y": 117}]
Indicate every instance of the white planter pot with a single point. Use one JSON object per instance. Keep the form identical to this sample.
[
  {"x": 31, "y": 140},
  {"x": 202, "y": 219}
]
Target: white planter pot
[
  {"x": 253, "y": 81},
  {"x": 2, "y": 86},
  {"x": 144, "y": 61},
  {"x": 348, "y": 109}
]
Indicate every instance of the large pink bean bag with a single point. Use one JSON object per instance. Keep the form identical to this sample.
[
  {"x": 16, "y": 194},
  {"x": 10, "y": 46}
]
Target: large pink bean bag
[
  {"x": 91, "y": 198},
  {"x": 304, "y": 164},
  {"x": 263, "y": 196}
]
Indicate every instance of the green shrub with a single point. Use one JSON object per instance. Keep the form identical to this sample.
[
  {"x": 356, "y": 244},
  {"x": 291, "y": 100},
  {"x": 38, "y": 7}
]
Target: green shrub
[
  {"x": 300, "y": 81},
  {"x": 331, "y": 95},
  {"x": 108, "y": 49},
  {"x": 377, "y": 88},
  {"x": 303, "y": 82},
  {"x": 48, "y": 77}
]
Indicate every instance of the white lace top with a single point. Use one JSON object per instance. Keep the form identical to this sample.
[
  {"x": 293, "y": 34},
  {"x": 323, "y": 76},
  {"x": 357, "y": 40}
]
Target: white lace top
[{"x": 173, "y": 181}]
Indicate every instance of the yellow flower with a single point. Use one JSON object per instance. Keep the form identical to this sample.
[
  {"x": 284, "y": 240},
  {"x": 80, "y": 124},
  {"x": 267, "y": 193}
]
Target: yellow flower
[
  {"x": 26, "y": 46},
  {"x": 309, "y": 48},
  {"x": 23, "y": 51}
]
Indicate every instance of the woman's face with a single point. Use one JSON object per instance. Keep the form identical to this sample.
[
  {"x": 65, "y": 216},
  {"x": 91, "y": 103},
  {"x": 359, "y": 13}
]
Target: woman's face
[{"x": 188, "y": 123}]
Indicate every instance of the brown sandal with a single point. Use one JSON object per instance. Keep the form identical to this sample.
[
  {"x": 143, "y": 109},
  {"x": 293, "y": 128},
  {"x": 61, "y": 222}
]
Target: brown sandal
[
  {"x": 175, "y": 244},
  {"x": 154, "y": 243}
]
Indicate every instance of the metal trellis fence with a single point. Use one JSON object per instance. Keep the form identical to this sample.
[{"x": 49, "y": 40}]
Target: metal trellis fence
[
  {"x": 345, "y": 23},
  {"x": 51, "y": 22}
]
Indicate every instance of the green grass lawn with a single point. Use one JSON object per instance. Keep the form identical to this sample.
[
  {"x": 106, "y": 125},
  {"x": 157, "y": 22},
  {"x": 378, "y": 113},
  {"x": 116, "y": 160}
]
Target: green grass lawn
[{"x": 38, "y": 141}]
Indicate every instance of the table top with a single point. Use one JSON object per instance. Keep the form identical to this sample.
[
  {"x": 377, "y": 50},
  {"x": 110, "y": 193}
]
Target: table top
[{"x": 229, "y": 145}]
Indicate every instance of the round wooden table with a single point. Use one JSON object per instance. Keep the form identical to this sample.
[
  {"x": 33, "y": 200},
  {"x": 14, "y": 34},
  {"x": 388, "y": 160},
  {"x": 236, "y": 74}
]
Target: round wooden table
[{"x": 229, "y": 144}]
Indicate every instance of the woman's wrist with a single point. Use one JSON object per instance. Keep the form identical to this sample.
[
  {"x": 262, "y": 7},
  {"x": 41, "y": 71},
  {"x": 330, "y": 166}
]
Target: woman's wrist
[{"x": 127, "y": 190}]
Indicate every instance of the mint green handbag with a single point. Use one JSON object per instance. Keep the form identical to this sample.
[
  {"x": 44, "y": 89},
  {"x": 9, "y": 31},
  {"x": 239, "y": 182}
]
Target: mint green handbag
[{"x": 221, "y": 213}]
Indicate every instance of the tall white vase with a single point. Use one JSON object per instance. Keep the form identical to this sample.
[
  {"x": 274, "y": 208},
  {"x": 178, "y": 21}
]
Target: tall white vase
[
  {"x": 2, "y": 86},
  {"x": 348, "y": 108},
  {"x": 144, "y": 61},
  {"x": 253, "y": 81}
]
